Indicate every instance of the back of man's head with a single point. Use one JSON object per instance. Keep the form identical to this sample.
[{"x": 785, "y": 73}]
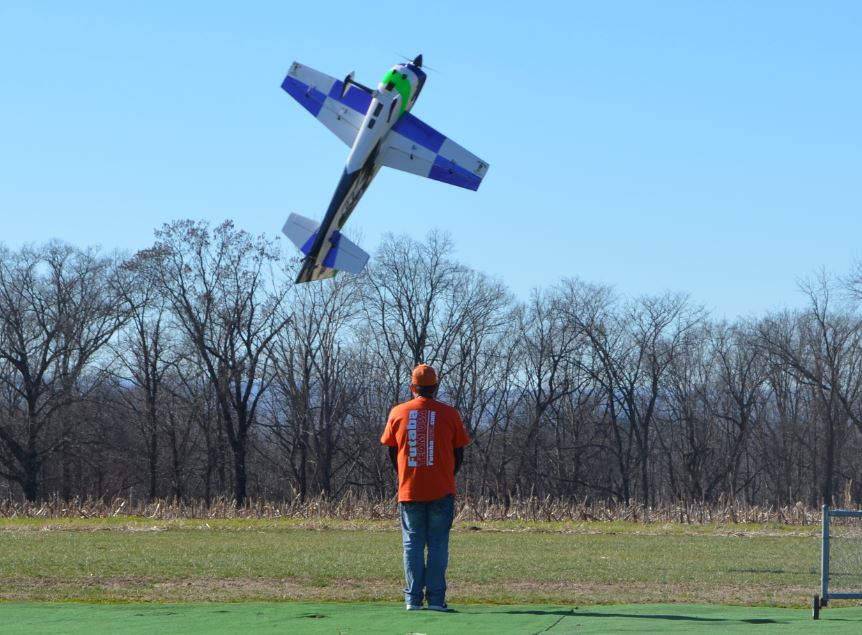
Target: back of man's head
[
  {"x": 424, "y": 381},
  {"x": 427, "y": 391}
]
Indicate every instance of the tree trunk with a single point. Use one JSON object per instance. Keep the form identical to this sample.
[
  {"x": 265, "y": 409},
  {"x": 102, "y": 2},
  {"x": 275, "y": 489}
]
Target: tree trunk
[{"x": 240, "y": 476}]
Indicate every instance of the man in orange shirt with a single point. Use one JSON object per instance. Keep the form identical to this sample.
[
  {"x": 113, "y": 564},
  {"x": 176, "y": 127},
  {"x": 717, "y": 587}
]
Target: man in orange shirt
[{"x": 426, "y": 440}]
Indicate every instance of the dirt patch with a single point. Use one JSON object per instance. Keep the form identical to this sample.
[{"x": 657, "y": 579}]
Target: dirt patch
[{"x": 202, "y": 589}]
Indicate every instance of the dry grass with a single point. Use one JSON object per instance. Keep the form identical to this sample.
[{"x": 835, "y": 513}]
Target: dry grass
[{"x": 357, "y": 508}]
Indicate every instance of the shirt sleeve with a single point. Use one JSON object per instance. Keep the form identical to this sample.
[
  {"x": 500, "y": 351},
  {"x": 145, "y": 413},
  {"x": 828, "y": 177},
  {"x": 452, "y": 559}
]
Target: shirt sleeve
[{"x": 388, "y": 436}]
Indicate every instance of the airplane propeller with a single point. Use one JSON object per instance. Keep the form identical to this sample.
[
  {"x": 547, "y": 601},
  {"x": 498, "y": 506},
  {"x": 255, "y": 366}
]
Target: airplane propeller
[{"x": 417, "y": 61}]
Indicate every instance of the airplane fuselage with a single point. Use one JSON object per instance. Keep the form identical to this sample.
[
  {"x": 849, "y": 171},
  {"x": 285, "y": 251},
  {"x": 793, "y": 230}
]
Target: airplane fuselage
[{"x": 395, "y": 95}]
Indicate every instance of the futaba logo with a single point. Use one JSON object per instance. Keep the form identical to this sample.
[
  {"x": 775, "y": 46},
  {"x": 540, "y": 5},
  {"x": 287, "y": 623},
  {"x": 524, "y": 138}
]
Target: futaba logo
[
  {"x": 411, "y": 438},
  {"x": 420, "y": 438}
]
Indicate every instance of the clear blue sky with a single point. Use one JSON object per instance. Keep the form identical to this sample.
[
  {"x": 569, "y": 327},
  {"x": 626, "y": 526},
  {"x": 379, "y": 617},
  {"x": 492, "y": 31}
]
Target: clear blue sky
[{"x": 709, "y": 147}]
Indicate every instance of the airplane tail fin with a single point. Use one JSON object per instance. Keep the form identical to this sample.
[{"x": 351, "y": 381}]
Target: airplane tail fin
[{"x": 342, "y": 255}]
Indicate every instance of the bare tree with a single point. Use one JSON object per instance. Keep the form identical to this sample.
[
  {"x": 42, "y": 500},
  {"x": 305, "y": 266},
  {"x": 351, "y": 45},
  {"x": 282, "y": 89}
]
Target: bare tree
[
  {"x": 547, "y": 372},
  {"x": 788, "y": 443},
  {"x": 852, "y": 282},
  {"x": 146, "y": 353},
  {"x": 598, "y": 318},
  {"x": 633, "y": 351},
  {"x": 822, "y": 349},
  {"x": 57, "y": 311},
  {"x": 740, "y": 399},
  {"x": 414, "y": 303},
  {"x": 315, "y": 385},
  {"x": 689, "y": 437},
  {"x": 195, "y": 415},
  {"x": 658, "y": 328},
  {"x": 227, "y": 300}
]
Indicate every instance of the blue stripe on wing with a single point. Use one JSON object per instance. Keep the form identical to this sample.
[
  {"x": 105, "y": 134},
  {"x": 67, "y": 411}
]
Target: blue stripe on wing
[
  {"x": 443, "y": 169},
  {"x": 309, "y": 98},
  {"x": 449, "y": 172},
  {"x": 419, "y": 132},
  {"x": 313, "y": 100},
  {"x": 355, "y": 98}
]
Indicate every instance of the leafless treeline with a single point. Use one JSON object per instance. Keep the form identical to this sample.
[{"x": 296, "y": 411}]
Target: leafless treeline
[{"x": 195, "y": 370}]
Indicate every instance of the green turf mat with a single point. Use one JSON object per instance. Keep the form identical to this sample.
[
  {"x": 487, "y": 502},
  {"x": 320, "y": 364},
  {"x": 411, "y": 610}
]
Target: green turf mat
[{"x": 382, "y": 618}]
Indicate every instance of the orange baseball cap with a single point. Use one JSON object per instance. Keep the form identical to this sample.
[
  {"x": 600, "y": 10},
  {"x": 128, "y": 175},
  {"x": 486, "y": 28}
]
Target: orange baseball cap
[{"x": 424, "y": 375}]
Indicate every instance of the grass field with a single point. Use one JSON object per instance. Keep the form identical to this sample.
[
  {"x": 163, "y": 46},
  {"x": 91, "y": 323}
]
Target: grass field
[
  {"x": 239, "y": 559},
  {"x": 529, "y": 575}
]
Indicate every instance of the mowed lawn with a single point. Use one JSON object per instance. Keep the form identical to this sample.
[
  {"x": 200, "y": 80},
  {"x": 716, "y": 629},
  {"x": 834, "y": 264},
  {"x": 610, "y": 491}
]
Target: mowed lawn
[{"x": 134, "y": 559}]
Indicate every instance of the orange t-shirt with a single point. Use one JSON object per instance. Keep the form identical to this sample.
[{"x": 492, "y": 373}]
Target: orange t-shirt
[{"x": 426, "y": 433}]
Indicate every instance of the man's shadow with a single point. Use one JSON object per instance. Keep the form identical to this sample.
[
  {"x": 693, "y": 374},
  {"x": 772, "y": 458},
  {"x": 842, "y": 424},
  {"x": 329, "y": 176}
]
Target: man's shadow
[{"x": 645, "y": 616}]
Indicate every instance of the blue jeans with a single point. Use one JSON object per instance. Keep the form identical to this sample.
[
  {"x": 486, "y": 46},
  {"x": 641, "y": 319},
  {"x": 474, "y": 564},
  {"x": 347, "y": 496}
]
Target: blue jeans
[{"x": 426, "y": 524}]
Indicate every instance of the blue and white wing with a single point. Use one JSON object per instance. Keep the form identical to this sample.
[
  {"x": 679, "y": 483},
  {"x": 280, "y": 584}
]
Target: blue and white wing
[
  {"x": 414, "y": 146},
  {"x": 321, "y": 95}
]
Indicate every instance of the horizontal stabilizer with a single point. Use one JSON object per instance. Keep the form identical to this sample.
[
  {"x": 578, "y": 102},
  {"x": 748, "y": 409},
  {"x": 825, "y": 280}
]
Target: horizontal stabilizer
[
  {"x": 301, "y": 231},
  {"x": 345, "y": 255},
  {"x": 340, "y": 254}
]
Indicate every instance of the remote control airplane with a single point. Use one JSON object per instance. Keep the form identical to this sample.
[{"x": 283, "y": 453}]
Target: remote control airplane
[{"x": 379, "y": 129}]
